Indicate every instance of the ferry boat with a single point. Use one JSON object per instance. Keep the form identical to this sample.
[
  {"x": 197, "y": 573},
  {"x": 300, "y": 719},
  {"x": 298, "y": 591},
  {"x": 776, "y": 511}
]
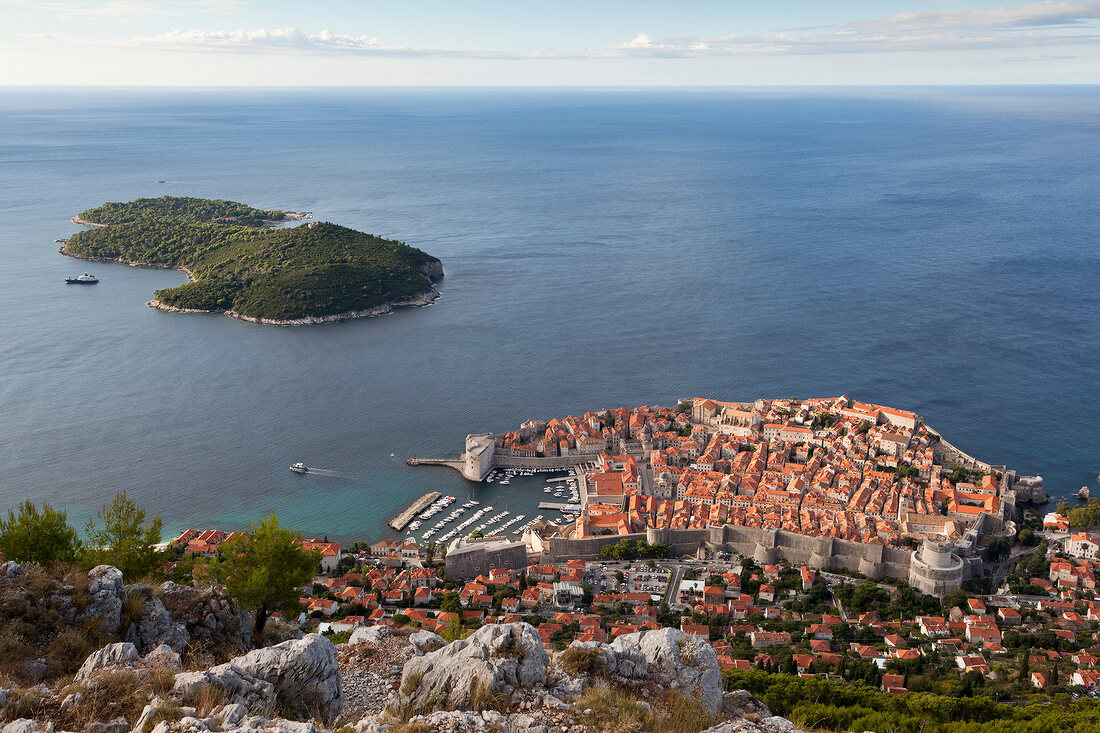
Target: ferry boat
[
  {"x": 299, "y": 467},
  {"x": 84, "y": 279}
]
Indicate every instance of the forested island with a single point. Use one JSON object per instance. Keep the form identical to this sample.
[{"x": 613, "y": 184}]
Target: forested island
[{"x": 239, "y": 265}]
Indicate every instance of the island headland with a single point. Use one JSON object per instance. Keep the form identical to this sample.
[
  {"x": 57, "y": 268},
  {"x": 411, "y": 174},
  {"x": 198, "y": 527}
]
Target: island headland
[{"x": 238, "y": 264}]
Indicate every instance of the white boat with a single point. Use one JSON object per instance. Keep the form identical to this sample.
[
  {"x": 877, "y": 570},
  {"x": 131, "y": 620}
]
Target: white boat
[{"x": 299, "y": 467}]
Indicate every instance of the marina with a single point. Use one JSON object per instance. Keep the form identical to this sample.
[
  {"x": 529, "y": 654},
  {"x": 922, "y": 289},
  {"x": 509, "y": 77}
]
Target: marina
[{"x": 401, "y": 520}]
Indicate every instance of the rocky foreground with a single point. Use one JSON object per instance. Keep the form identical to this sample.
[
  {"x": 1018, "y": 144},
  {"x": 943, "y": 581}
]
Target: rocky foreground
[{"x": 500, "y": 678}]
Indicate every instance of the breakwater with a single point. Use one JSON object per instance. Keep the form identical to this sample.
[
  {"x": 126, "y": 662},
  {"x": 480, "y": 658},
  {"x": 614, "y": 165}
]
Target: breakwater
[{"x": 402, "y": 519}]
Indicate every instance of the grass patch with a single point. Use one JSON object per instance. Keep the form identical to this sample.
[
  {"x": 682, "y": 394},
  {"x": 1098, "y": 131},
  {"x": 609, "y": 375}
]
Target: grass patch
[
  {"x": 481, "y": 698},
  {"x": 579, "y": 660},
  {"x": 411, "y": 683},
  {"x": 165, "y": 714},
  {"x": 67, "y": 652},
  {"x": 618, "y": 710}
]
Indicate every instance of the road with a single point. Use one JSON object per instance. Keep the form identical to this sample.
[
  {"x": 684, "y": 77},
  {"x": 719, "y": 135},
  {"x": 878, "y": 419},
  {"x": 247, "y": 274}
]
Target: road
[{"x": 677, "y": 571}]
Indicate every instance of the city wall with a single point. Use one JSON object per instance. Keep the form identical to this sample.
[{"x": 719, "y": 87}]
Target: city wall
[
  {"x": 763, "y": 545},
  {"x": 681, "y": 542}
]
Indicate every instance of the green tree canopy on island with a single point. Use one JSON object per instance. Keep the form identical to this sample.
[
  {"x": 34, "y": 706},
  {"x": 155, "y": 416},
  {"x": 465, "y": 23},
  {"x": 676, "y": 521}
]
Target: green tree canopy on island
[
  {"x": 38, "y": 535},
  {"x": 265, "y": 568},
  {"x": 238, "y": 264},
  {"x": 119, "y": 535}
]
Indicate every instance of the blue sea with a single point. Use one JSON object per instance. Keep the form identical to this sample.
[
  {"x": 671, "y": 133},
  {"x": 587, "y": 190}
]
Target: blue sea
[{"x": 935, "y": 249}]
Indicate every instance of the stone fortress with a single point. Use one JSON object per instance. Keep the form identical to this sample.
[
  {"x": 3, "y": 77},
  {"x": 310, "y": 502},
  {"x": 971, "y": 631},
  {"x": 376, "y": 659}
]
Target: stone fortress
[{"x": 942, "y": 562}]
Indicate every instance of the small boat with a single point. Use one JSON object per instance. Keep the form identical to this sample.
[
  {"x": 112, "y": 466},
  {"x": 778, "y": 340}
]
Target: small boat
[
  {"x": 160, "y": 180},
  {"x": 299, "y": 467},
  {"x": 84, "y": 279}
]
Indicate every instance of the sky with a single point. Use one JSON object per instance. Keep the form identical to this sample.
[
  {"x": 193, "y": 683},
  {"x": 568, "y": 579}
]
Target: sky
[{"x": 535, "y": 43}]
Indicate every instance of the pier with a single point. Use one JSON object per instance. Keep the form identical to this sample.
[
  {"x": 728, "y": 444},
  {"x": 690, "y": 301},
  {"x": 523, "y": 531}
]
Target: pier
[
  {"x": 561, "y": 478},
  {"x": 402, "y": 519},
  {"x": 555, "y": 505}
]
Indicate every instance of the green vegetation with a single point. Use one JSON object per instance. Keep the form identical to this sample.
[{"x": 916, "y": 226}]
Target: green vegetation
[
  {"x": 628, "y": 549},
  {"x": 1083, "y": 517},
  {"x": 828, "y": 705},
  {"x": 317, "y": 270},
  {"x": 120, "y": 536},
  {"x": 265, "y": 568},
  {"x": 42, "y": 536}
]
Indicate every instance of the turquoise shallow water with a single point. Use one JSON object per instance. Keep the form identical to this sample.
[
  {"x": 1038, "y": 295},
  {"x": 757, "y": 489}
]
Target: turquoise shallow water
[{"x": 932, "y": 249}]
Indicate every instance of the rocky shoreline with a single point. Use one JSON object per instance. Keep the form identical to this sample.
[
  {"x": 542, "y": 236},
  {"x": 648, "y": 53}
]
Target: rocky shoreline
[
  {"x": 419, "y": 301},
  {"x": 63, "y": 249}
]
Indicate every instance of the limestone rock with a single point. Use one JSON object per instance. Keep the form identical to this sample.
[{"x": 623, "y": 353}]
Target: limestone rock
[
  {"x": 426, "y": 641},
  {"x": 26, "y": 725},
  {"x": 119, "y": 654},
  {"x": 207, "y": 615},
  {"x": 239, "y": 686},
  {"x": 156, "y": 627},
  {"x": 496, "y": 660},
  {"x": 774, "y": 724},
  {"x": 672, "y": 659},
  {"x": 107, "y": 591},
  {"x": 304, "y": 673},
  {"x": 118, "y": 725},
  {"x": 11, "y": 569},
  {"x": 740, "y": 703},
  {"x": 370, "y": 635},
  {"x": 105, "y": 578},
  {"x": 523, "y": 723},
  {"x": 165, "y": 657}
]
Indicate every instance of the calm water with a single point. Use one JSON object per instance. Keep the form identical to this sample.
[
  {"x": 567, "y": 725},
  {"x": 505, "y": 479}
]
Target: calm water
[{"x": 931, "y": 249}]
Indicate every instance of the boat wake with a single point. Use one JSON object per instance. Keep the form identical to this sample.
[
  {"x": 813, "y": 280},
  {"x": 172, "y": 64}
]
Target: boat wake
[{"x": 327, "y": 472}]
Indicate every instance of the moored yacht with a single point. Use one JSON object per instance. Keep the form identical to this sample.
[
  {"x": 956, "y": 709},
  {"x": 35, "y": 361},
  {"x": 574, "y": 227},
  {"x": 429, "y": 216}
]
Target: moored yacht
[{"x": 84, "y": 279}]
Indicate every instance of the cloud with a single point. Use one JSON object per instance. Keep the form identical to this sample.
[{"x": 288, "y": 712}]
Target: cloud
[
  {"x": 1019, "y": 26},
  {"x": 278, "y": 39},
  {"x": 1012, "y": 27},
  {"x": 126, "y": 9}
]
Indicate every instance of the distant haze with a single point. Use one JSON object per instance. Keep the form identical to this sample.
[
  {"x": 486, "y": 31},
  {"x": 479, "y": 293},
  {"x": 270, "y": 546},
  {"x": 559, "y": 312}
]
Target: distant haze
[{"x": 502, "y": 43}]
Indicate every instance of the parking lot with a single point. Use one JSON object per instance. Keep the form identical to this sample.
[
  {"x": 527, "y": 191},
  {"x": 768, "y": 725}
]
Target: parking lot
[{"x": 636, "y": 578}]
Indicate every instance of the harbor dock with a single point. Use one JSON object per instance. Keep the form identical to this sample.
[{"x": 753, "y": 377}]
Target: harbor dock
[
  {"x": 555, "y": 505},
  {"x": 402, "y": 519}
]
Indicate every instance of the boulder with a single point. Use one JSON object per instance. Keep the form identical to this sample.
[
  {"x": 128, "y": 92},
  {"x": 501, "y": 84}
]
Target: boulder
[
  {"x": 207, "y": 615},
  {"x": 495, "y": 662},
  {"x": 164, "y": 657},
  {"x": 739, "y": 703},
  {"x": 524, "y": 723},
  {"x": 119, "y": 654},
  {"x": 11, "y": 569},
  {"x": 156, "y": 627},
  {"x": 118, "y": 725},
  {"x": 426, "y": 641},
  {"x": 304, "y": 673},
  {"x": 239, "y": 686},
  {"x": 370, "y": 635},
  {"x": 672, "y": 659},
  {"x": 774, "y": 724},
  {"x": 103, "y": 578},
  {"x": 26, "y": 725}
]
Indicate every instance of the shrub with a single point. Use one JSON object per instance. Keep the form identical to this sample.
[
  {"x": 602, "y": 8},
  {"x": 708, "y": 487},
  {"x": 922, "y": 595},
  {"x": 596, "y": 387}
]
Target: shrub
[{"x": 67, "y": 652}]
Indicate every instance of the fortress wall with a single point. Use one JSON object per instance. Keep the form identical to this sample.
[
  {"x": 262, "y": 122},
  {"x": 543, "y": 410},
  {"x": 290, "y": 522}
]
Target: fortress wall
[
  {"x": 680, "y": 541},
  {"x": 552, "y": 462},
  {"x": 769, "y": 545}
]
